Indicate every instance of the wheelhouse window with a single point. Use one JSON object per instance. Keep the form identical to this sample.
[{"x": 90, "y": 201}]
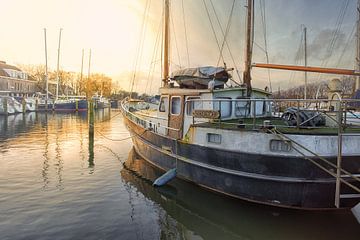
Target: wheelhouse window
[
  {"x": 242, "y": 107},
  {"x": 260, "y": 108},
  {"x": 192, "y": 104},
  {"x": 175, "y": 105},
  {"x": 164, "y": 103},
  {"x": 223, "y": 104}
]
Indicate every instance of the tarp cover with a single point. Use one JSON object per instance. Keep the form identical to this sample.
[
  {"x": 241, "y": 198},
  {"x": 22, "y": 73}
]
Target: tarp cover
[{"x": 200, "y": 77}]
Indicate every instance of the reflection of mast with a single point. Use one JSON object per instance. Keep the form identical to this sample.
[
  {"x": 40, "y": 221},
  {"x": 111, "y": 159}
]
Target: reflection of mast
[
  {"x": 46, "y": 155},
  {"x": 166, "y": 44},
  {"x": 59, "y": 160}
]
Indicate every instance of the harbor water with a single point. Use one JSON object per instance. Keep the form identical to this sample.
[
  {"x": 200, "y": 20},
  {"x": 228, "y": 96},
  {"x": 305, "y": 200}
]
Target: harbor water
[{"x": 57, "y": 184}]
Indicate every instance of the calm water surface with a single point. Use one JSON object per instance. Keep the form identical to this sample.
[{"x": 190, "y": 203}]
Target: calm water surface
[{"x": 56, "y": 184}]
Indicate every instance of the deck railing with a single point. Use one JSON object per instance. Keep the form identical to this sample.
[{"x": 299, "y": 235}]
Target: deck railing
[
  {"x": 145, "y": 120},
  {"x": 338, "y": 112}
]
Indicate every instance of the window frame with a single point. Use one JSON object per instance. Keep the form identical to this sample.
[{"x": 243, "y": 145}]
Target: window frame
[
  {"x": 165, "y": 107},
  {"x": 171, "y": 106},
  {"x": 209, "y": 137}
]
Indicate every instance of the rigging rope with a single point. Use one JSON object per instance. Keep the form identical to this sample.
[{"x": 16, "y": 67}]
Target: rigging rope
[
  {"x": 186, "y": 38},
  {"x": 153, "y": 58},
  {"x": 263, "y": 19},
  {"x": 227, "y": 29},
  {"x": 140, "y": 44},
  {"x": 335, "y": 34},
  {"x": 351, "y": 36},
  {"x": 213, "y": 30},
  {"x": 176, "y": 45}
]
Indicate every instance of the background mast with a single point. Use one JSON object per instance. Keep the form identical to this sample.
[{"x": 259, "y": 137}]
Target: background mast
[
  {"x": 57, "y": 67},
  {"x": 46, "y": 68}
]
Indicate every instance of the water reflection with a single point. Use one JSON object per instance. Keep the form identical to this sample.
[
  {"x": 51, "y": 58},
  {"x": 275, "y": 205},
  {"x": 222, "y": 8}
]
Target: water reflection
[
  {"x": 54, "y": 134},
  {"x": 91, "y": 139},
  {"x": 203, "y": 215}
]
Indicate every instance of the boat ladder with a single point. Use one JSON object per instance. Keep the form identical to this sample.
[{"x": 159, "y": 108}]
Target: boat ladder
[{"x": 340, "y": 173}]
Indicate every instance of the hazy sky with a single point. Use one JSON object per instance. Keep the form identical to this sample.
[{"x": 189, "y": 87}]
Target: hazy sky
[{"x": 111, "y": 28}]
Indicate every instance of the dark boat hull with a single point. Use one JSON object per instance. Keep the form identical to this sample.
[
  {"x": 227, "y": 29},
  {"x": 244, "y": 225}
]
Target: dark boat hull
[
  {"x": 284, "y": 182},
  {"x": 80, "y": 105}
]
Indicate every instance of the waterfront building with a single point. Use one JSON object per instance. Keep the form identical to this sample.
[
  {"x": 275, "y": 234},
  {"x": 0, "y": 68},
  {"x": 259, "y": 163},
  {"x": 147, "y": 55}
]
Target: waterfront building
[{"x": 15, "y": 82}]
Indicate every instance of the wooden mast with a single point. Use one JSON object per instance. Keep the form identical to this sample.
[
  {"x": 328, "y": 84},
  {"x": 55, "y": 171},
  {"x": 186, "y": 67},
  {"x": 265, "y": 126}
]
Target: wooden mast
[
  {"x": 305, "y": 58},
  {"x": 166, "y": 57},
  {"x": 357, "y": 82},
  {"x": 248, "y": 44}
]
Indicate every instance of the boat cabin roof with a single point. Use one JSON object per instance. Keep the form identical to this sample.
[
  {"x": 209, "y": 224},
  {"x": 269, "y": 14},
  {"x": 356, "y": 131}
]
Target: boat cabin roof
[{"x": 187, "y": 91}]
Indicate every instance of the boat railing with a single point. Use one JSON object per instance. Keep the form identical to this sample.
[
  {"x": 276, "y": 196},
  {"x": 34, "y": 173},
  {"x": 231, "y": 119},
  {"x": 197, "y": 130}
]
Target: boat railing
[
  {"x": 303, "y": 112},
  {"x": 145, "y": 120}
]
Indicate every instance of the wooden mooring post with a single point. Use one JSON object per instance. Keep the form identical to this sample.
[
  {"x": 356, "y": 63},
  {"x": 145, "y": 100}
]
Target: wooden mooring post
[
  {"x": 5, "y": 104},
  {"x": 23, "y": 104},
  {"x": 91, "y": 133}
]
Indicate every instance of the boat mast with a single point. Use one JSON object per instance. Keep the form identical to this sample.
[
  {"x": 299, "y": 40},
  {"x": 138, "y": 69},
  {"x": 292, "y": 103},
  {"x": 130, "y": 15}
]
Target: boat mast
[
  {"x": 46, "y": 68},
  {"x": 166, "y": 44},
  {"x": 89, "y": 63},
  {"x": 82, "y": 66},
  {"x": 357, "y": 84},
  {"x": 248, "y": 44},
  {"x": 305, "y": 56},
  {"x": 57, "y": 67}
]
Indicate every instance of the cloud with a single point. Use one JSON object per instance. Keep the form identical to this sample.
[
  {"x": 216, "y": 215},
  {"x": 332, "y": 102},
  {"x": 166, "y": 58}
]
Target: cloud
[{"x": 324, "y": 44}]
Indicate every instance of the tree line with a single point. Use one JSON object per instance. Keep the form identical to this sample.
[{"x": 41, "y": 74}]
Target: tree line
[
  {"x": 319, "y": 89},
  {"x": 70, "y": 83}
]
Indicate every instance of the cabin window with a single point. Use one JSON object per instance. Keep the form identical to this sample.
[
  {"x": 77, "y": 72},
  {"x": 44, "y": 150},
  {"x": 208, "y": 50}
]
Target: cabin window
[
  {"x": 192, "y": 105},
  {"x": 260, "y": 108},
  {"x": 280, "y": 145},
  {"x": 175, "y": 105},
  {"x": 242, "y": 107},
  {"x": 164, "y": 103},
  {"x": 214, "y": 138},
  {"x": 223, "y": 105}
]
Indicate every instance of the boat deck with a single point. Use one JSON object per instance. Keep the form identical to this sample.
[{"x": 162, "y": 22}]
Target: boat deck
[{"x": 278, "y": 123}]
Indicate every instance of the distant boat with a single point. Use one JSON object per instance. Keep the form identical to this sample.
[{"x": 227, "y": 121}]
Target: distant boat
[
  {"x": 41, "y": 102},
  {"x": 71, "y": 103},
  {"x": 9, "y": 109},
  {"x": 30, "y": 103},
  {"x": 16, "y": 105},
  {"x": 100, "y": 102}
]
